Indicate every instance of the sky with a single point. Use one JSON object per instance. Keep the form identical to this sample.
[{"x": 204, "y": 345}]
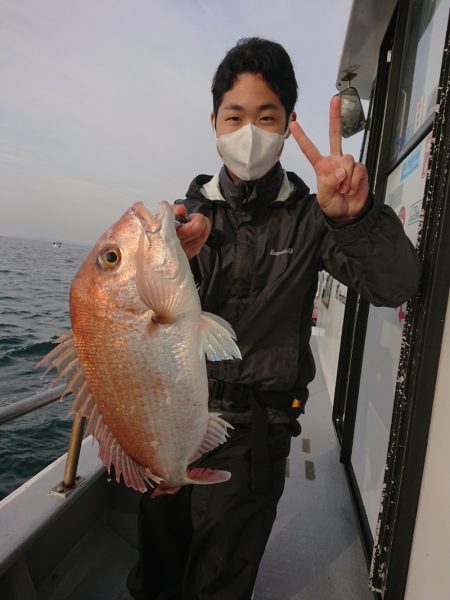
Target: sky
[{"x": 106, "y": 102}]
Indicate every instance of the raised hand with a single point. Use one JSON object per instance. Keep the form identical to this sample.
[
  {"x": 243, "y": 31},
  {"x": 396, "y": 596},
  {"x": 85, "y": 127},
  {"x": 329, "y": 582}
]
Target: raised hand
[{"x": 342, "y": 183}]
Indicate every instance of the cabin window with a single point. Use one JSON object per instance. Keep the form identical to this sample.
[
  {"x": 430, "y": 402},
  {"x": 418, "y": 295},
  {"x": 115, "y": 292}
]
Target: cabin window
[{"x": 417, "y": 94}]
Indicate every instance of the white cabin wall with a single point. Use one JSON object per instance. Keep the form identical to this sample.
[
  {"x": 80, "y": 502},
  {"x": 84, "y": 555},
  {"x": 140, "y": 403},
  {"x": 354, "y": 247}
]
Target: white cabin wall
[
  {"x": 429, "y": 572},
  {"x": 328, "y": 331}
]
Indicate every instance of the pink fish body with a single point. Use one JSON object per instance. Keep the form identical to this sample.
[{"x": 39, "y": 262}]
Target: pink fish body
[{"x": 135, "y": 358}]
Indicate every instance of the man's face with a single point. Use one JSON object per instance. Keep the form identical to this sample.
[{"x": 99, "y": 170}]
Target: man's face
[{"x": 250, "y": 100}]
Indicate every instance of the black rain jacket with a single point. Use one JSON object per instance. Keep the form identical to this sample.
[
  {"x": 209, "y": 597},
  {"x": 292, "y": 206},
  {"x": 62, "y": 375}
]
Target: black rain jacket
[{"x": 259, "y": 271}]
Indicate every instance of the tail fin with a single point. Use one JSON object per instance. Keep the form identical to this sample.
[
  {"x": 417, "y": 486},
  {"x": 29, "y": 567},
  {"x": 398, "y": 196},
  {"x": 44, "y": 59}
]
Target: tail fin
[
  {"x": 195, "y": 476},
  {"x": 206, "y": 476}
]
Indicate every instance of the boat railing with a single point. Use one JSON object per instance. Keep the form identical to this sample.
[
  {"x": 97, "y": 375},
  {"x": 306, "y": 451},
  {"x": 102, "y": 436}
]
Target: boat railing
[{"x": 32, "y": 403}]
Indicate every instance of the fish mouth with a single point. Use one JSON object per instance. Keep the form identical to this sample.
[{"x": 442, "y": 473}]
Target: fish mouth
[{"x": 152, "y": 223}]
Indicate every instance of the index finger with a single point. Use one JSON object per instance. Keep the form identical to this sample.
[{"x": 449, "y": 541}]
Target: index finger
[
  {"x": 335, "y": 127},
  {"x": 179, "y": 210},
  {"x": 305, "y": 144},
  {"x": 196, "y": 228},
  {"x": 194, "y": 234}
]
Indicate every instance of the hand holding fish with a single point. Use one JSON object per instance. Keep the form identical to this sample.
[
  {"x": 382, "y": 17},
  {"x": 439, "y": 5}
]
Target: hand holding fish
[
  {"x": 194, "y": 233},
  {"x": 342, "y": 184}
]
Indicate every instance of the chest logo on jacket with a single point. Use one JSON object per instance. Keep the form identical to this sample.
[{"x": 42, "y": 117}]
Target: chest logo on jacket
[{"x": 274, "y": 252}]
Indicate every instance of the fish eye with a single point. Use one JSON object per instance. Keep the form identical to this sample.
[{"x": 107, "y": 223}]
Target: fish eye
[{"x": 110, "y": 258}]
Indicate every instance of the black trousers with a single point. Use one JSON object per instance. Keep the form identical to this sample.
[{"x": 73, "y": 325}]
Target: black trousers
[{"x": 206, "y": 541}]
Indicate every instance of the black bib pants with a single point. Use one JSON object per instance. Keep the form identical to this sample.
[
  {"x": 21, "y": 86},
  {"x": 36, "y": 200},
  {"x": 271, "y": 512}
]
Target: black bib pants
[{"x": 206, "y": 541}]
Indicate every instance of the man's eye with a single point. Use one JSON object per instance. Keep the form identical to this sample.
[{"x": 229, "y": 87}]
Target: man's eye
[
  {"x": 267, "y": 118},
  {"x": 232, "y": 119}
]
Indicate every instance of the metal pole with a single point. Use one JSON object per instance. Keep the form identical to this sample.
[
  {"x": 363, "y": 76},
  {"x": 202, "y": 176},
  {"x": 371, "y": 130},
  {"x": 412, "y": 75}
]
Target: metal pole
[
  {"x": 73, "y": 453},
  {"x": 21, "y": 407}
]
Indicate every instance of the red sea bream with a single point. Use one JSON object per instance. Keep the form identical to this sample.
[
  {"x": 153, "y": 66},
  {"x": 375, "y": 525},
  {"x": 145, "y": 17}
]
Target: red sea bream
[{"x": 135, "y": 357}]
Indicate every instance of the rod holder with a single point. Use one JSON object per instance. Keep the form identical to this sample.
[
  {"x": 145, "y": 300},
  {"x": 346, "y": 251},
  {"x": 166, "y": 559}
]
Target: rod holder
[{"x": 73, "y": 452}]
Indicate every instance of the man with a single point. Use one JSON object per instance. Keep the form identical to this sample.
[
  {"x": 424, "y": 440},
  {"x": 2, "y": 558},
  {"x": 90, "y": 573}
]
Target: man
[{"x": 257, "y": 239}]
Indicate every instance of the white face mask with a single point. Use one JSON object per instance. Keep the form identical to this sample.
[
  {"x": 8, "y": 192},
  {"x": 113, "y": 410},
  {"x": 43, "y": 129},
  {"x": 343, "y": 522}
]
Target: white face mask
[{"x": 250, "y": 152}]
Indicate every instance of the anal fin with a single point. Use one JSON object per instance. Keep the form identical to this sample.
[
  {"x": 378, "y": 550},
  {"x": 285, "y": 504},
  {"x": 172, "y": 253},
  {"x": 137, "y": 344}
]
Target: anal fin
[{"x": 216, "y": 434}]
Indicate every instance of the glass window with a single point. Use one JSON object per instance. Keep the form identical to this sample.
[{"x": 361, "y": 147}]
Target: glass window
[{"x": 422, "y": 63}]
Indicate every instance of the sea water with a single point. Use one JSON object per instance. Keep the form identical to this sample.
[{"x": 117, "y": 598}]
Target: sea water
[{"x": 35, "y": 280}]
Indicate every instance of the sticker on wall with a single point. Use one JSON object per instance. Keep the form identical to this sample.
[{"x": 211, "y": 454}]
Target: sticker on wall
[
  {"x": 419, "y": 112},
  {"x": 341, "y": 293},
  {"x": 318, "y": 331},
  {"x": 414, "y": 212},
  {"x": 426, "y": 157},
  {"x": 401, "y": 312},
  {"x": 410, "y": 164}
]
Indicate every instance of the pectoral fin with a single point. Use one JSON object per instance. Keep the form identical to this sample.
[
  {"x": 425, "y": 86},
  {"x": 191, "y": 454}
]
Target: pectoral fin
[
  {"x": 159, "y": 291},
  {"x": 218, "y": 338}
]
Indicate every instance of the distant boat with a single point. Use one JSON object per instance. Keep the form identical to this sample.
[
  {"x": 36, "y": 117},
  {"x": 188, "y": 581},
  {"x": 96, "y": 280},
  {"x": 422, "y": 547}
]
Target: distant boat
[{"x": 56, "y": 244}]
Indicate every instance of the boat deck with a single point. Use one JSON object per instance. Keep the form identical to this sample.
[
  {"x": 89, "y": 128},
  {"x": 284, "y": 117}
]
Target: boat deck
[{"x": 314, "y": 551}]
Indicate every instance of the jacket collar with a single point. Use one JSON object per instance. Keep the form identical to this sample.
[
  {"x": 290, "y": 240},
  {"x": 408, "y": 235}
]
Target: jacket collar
[{"x": 212, "y": 189}]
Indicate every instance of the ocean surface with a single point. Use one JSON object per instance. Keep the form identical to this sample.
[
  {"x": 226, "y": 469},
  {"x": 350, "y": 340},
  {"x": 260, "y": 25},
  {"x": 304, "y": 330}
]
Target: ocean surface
[{"x": 35, "y": 280}]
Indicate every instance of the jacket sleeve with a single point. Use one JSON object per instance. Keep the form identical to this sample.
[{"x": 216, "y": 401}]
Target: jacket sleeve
[{"x": 373, "y": 256}]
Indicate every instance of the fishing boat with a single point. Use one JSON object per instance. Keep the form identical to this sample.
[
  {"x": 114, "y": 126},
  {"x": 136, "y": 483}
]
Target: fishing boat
[
  {"x": 57, "y": 244},
  {"x": 74, "y": 537}
]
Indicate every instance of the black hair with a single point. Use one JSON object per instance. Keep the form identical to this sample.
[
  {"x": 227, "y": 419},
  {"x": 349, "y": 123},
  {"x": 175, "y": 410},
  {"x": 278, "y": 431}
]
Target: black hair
[{"x": 256, "y": 55}]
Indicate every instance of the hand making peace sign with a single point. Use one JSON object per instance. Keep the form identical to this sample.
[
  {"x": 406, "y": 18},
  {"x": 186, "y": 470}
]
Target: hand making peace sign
[{"x": 342, "y": 184}]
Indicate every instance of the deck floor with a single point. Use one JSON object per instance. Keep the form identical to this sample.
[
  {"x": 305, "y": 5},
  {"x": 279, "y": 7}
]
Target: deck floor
[{"x": 314, "y": 552}]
